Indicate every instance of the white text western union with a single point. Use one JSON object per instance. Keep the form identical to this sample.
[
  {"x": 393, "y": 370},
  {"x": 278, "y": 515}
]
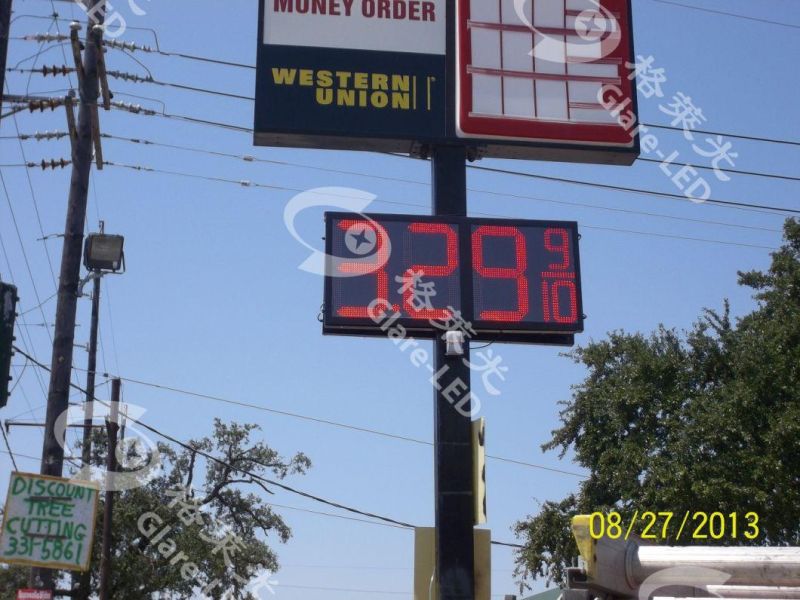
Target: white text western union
[{"x": 348, "y": 88}]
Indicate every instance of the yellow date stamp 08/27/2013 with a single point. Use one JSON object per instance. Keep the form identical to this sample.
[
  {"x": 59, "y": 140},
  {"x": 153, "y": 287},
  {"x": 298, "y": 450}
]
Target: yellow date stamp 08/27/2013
[{"x": 667, "y": 525}]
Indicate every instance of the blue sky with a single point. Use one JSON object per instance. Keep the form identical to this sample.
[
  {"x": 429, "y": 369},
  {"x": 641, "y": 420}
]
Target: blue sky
[{"x": 213, "y": 300}]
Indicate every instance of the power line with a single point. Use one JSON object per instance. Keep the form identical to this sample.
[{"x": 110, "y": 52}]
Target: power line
[
  {"x": 205, "y": 59},
  {"x": 139, "y": 110},
  {"x": 251, "y": 184},
  {"x": 132, "y": 47},
  {"x": 750, "y": 138},
  {"x": 24, "y": 253},
  {"x": 223, "y": 463},
  {"x": 27, "y": 412},
  {"x": 23, "y": 331},
  {"x": 335, "y": 516},
  {"x": 10, "y": 452},
  {"x": 19, "y": 378},
  {"x": 507, "y": 545},
  {"x": 727, "y": 14},
  {"x": 34, "y": 458},
  {"x": 36, "y": 206},
  {"x": 58, "y": 31},
  {"x": 254, "y": 476},
  {"x": 40, "y": 304},
  {"x": 711, "y": 201},
  {"x": 670, "y": 236},
  {"x": 283, "y": 506},
  {"x": 324, "y": 421},
  {"x": 626, "y": 211},
  {"x": 252, "y": 159},
  {"x": 131, "y": 78},
  {"x": 136, "y": 47},
  {"x": 650, "y": 125},
  {"x": 202, "y": 90},
  {"x": 136, "y": 109},
  {"x": 664, "y": 127},
  {"x": 41, "y": 49},
  {"x": 734, "y": 171},
  {"x": 149, "y": 112},
  {"x": 178, "y": 86},
  {"x": 727, "y": 203}
]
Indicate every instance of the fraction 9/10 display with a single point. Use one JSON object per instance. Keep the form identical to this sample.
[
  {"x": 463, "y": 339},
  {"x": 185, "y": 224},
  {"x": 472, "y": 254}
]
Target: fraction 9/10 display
[{"x": 507, "y": 278}]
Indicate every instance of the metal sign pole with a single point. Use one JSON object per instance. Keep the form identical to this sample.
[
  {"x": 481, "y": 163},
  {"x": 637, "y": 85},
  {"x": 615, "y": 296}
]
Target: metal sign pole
[
  {"x": 455, "y": 517},
  {"x": 453, "y": 448}
]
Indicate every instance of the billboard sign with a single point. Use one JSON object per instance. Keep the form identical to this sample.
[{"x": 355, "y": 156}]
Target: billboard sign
[
  {"x": 539, "y": 70},
  {"x": 48, "y": 522},
  {"x": 505, "y": 280},
  {"x": 508, "y": 78},
  {"x": 350, "y": 74}
]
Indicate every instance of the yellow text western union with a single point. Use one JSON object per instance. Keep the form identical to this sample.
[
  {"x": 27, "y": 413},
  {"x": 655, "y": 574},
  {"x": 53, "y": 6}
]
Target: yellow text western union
[{"x": 352, "y": 88}]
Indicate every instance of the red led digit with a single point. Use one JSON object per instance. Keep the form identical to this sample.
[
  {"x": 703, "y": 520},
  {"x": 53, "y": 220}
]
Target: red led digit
[
  {"x": 557, "y": 240},
  {"x": 414, "y": 310},
  {"x": 558, "y": 317},
  {"x": 516, "y": 273},
  {"x": 380, "y": 257},
  {"x": 562, "y": 246},
  {"x": 546, "y": 300}
]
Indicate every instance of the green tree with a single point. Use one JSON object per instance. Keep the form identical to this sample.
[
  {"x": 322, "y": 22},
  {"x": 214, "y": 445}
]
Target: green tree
[
  {"x": 229, "y": 518},
  {"x": 12, "y": 578},
  {"x": 705, "y": 420}
]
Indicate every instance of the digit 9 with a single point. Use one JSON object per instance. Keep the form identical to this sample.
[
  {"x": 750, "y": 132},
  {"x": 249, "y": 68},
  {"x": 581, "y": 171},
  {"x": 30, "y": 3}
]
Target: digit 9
[{"x": 515, "y": 273}]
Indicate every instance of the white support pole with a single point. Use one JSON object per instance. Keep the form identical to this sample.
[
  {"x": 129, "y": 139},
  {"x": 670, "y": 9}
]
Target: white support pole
[
  {"x": 754, "y": 591},
  {"x": 628, "y": 569},
  {"x": 771, "y": 566}
]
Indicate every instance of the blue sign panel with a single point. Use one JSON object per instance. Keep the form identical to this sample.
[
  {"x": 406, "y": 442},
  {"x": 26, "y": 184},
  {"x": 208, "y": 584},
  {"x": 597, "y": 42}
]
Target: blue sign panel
[{"x": 351, "y": 74}]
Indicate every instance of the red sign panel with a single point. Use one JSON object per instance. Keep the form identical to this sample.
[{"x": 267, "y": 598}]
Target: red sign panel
[
  {"x": 34, "y": 595},
  {"x": 544, "y": 70}
]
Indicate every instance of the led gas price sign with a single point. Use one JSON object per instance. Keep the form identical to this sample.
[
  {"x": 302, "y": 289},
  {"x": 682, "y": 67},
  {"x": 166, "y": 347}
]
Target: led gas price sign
[{"x": 502, "y": 280}]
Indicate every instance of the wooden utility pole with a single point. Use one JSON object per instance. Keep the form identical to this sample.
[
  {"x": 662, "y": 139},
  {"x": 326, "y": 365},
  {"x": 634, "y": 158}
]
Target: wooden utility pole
[
  {"x": 5, "y": 30},
  {"x": 82, "y": 581},
  {"x": 112, "y": 426},
  {"x": 69, "y": 277}
]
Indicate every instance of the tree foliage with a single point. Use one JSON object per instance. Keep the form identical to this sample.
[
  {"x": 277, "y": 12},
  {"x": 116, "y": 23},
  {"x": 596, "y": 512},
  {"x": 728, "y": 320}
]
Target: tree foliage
[
  {"x": 12, "y": 578},
  {"x": 231, "y": 505},
  {"x": 704, "y": 420}
]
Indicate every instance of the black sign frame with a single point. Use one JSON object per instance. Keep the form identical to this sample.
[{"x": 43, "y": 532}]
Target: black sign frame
[{"x": 486, "y": 331}]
